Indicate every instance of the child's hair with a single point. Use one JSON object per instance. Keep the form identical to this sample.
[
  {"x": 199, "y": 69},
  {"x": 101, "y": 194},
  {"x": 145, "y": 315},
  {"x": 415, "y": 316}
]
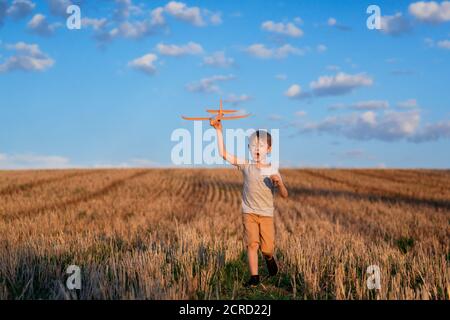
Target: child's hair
[{"x": 263, "y": 134}]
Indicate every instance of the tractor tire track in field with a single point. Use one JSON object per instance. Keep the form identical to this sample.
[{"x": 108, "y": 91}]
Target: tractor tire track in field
[
  {"x": 374, "y": 193},
  {"x": 200, "y": 191},
  {"x": 414, "y": 176},
  {"x": 64, "y": 204},
  {"x": 32, "y": 184},
  {"x": 158, "y": 186},
  {"x": 404, "y": 181},
  {"x": 366, "y": 228}
]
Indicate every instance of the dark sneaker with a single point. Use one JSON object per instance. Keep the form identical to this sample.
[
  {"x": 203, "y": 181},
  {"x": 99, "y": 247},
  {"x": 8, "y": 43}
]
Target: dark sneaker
[
  {"x": 252, "y": 282},
  {"x": 272, "y": 266}
]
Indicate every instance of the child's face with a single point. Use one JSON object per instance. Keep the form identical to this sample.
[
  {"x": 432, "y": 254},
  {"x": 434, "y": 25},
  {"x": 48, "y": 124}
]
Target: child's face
[{"x": 259, "y": 149}]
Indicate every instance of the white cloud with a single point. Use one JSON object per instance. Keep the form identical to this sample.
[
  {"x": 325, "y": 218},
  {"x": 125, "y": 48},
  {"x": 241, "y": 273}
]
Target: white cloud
[
  {"x": 301, "y": 113},
  {"x": 370, "y": 105},
  {"x": 287, "y": 29},
  {"x": 192, "y": 15},
  {"x": 32, "y": 161},
  {"x": 3, "y": 9},
  {"x": 293, "y": 91},
  {"x": 281, "y": 77},
  {"x": 20, "y": 9},
  {"x": 188, "y": 14},
  {"x": 444, "y": 44},
  {"x": 392, "y": 60},
  {"x": 337, "y": 106},
  {"x": 333, "y": 68},
  {"x": 216, "y": 18},
  {"x": 298, "y": 20},
  {"x": 190, "y": 48},
  {"x": 395, "y": 25},
  {"x": 275, "y": 117},
  {"x": 124, "y": 9},
  {"x": 410, "y": 103},
  {"x": 145, "y": 63},
  {"x": 28, "y": 57},
  {"x": 321, "y": 48},
  {"x": 429, "y": 42},
  {"x": 208, "y": 85},
  {"x": 59, "y": 7},
  {"x": 432, "y": 11},
  {"x": 134, "y": 30},
  {"x": 331, "y": 21},
  {"x": 218, "y": 59},
  {"x": 369, "y": 117},
  {"x": 39, "y": 25},
  {"x": 236, "y": 14},
  {"x": 96, "y": 24},
  {"x": 339, "y": 84},
  {"x": 157, "y": 17},
  {"x": 433, "y": 132},
  {"x": 402, "y": 72},
  {"x": 389, "y": 126},
  {"x": 142, "y": 163},
  {"x": 128, "y": 30},
  {"x": 261, "y": 51},
  {"x": 125, "y": 25},
  {"x": 131, "y": 163},
  {"x": 237, "y": 99}
]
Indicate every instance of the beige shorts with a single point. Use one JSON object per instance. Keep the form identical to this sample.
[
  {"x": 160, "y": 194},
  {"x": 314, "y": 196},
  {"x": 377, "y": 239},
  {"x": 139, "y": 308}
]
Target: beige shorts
[{"x": 259, "y": 230}]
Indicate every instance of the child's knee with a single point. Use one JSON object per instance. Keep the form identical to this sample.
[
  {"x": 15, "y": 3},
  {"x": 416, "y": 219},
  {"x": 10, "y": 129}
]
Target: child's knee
[
  {"x": 253, "y": 246},
  {"x": 268, "y": 250}
]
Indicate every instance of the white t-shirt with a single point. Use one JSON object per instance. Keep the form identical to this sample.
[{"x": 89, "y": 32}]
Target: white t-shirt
[{"x": 258, "y": 190}]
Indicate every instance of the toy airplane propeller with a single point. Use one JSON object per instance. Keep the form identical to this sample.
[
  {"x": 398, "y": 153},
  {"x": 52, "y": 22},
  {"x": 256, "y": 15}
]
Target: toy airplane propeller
[{"x": 219, "y": 115}]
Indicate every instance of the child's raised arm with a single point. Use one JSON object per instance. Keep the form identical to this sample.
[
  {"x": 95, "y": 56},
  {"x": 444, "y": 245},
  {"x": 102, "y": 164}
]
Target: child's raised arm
[{"x": 217, "y": 124}]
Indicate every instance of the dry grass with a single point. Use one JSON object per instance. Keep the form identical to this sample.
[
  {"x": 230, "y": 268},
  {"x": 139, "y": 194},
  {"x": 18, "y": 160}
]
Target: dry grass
[{"x": 177, "y": 234}]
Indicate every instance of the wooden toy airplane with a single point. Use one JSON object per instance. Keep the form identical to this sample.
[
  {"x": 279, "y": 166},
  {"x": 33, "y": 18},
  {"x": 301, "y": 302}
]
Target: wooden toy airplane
[{"x": 219, "y": 115}]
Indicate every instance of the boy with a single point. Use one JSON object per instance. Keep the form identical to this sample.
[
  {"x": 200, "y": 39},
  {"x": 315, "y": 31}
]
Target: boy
[{"x": 260, "y": 181}]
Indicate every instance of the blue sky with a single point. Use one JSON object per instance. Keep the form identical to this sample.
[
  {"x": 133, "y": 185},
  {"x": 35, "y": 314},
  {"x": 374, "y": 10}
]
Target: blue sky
[{"x": 112, "y": 93}]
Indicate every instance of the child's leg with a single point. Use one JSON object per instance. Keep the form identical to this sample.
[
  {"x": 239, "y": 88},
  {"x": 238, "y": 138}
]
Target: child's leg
[
  {"x": 267, "y": 231},
  {"x": 251, "y": 236}
]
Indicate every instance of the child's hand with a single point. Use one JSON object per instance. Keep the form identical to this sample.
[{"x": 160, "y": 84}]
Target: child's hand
[
  {"x": 278, "y": 183},
  {"x": 276, "y": 180},
  {"x": 217, "y": 124}
]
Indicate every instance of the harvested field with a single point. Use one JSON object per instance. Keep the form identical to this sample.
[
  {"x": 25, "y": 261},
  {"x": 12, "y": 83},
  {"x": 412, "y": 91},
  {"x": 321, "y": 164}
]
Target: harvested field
[{"x": 177, "y": 234}]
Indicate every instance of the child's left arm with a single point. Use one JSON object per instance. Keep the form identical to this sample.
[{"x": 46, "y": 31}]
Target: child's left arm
[{"x": 278, "y": 183}]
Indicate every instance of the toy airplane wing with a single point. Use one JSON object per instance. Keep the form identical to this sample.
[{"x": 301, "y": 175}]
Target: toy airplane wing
[
  {"x": 196, "y": 118},
  {"x": 219, "y": 114},
  {"x": 223, "y": 111},
  {"x": 235, "y": 117}
]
